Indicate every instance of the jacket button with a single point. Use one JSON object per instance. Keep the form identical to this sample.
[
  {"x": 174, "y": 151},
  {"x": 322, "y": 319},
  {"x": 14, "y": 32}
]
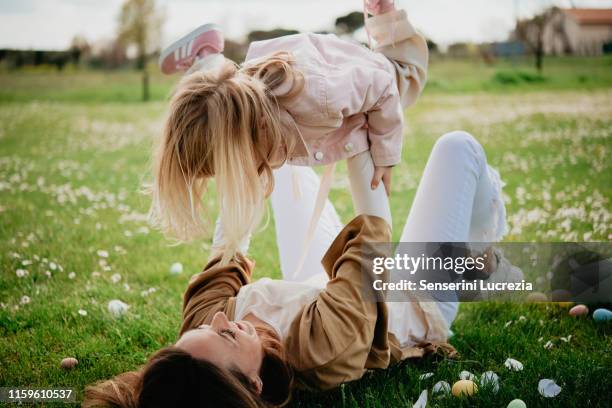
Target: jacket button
[
  {"x": 348, "y": 147},
  {"x": 319, "y": 156}
]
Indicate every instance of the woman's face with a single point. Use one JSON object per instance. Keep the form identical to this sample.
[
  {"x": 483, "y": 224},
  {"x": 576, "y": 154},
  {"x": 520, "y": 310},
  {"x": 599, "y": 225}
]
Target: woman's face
[{"x": 232, "y": 345}]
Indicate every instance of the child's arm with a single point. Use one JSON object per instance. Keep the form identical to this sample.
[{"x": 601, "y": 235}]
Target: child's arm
[{"x": 406, "y": 49}]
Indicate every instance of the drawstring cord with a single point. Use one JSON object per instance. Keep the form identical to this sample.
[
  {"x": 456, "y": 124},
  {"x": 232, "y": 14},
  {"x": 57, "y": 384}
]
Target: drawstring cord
[{"x": 365, "y": 19}]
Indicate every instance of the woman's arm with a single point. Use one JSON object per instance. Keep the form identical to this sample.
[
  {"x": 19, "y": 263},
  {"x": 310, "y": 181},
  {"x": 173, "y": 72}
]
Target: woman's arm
[
  {"x": 331, "y": 339},
  {"x": 210, "y": 291}
]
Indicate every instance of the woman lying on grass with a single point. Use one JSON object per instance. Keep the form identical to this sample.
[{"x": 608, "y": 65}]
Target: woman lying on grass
[{"x": 247, "y": 344}]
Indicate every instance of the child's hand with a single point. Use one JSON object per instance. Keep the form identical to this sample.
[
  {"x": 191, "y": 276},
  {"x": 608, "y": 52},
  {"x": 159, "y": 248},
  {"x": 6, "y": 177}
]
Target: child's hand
[
  {"x": 384, "y": 174},
  {"x": 377, "y": 7}
]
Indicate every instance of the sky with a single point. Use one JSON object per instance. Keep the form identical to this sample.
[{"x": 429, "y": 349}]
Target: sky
[{"x": 51, "y": 24}]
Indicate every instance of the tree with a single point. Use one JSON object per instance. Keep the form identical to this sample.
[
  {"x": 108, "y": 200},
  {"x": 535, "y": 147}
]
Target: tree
[
  {"x": 260, "y": 35},
  {"x": 79, "y": 49},
  {"x": 349, "y": 23},
  {"x": 140, "y": 25},
  {"x": 531, "y": 32}
]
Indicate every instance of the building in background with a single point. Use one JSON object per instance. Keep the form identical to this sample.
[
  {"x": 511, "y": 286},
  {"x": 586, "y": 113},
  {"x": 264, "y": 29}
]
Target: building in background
[{"x": 576, "y": 31}]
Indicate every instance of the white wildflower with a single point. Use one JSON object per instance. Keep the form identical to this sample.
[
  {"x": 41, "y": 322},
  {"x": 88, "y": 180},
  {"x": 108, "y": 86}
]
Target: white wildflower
[{"x": 21, "y": 273}]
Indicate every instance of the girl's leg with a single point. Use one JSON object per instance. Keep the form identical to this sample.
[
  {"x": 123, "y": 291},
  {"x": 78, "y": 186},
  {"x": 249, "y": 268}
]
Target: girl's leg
[
  {"x": 366, "y": 201},
  {"x": 293, "y": 211},
  {"x": 458, "y": 200},
  {"x": 293, "y": 200}
]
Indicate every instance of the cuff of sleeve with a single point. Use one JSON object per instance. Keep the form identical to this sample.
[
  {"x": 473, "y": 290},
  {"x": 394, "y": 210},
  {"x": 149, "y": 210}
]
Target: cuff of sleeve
[
  {"x": 387, "y": 160},
  {"x": 390, "y": 28},
  {"x": 386, "y": 149}
]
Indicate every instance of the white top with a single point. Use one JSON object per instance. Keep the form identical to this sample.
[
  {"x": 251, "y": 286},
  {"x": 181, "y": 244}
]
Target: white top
[{"x": 276, "y": 302}]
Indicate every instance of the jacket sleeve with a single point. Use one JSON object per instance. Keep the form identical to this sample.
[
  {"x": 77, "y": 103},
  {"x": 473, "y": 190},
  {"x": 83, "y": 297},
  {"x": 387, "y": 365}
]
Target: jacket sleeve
[
  {"x": 365, "y": 89},
  {"x": 210, "y": 290},
  {"x": 332, "y": 337},
  {"x": 406, "y": 49}
]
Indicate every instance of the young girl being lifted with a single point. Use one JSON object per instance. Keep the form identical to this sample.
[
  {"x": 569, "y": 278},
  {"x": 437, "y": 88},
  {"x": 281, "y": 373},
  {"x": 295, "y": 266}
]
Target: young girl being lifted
[{"x": 305, "y": 99}]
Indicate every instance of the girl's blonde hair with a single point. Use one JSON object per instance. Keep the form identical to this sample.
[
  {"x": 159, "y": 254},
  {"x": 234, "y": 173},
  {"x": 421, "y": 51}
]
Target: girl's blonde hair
[{"x": 225, "y": 124}]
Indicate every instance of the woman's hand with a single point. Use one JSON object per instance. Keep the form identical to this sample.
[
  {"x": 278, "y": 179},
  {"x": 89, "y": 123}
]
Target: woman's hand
[
  {"x": 384, "y": 174},
  {"x": 377, "y": 7}
]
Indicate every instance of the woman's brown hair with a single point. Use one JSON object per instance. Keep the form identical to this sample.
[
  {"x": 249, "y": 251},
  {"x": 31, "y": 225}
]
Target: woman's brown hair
[
  {"x": 172, "y": 377},
  {"x": 225, "y": 124}
]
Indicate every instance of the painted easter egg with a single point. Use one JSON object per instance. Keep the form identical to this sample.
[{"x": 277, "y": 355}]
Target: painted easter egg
[
  {"x": 517, "y": 403},
  {"x": 490, "y": 379},
  {"x": 441, "y": 389},
  {"x": 602, "y": 315},
  {"x": 536, "y": 297},
  {"x": 69, "y": 362},
  {"x": 579, "y": 310},
  {"x": 464, "y": 387}
]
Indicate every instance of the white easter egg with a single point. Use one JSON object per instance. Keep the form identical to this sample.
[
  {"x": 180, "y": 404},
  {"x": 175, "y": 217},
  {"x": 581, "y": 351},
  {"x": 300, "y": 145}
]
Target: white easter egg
[
  {"x": 176, "y": 268},
  {"x": 117, "y": 308}
]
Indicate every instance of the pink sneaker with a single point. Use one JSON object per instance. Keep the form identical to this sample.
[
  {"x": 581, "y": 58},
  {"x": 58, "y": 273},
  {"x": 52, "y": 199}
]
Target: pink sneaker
[{"x": 203, "y": 41}]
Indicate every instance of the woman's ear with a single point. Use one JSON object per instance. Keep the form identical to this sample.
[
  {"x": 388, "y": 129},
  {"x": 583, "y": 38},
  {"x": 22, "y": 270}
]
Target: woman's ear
[{"x": 257, "y": 384}]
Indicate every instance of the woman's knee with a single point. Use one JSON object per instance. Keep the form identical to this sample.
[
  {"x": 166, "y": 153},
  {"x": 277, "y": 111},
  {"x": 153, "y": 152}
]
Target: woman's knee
[{"x": 455, "y": 142}]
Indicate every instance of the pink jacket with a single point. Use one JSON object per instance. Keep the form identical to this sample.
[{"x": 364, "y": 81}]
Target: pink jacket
[{"x": 347, "y": 85}]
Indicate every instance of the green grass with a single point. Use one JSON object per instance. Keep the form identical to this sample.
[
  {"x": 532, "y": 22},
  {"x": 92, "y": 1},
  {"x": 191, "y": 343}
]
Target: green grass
[
  {"x": 74, "y": 152},
  {"x": 445, "y": 76}
]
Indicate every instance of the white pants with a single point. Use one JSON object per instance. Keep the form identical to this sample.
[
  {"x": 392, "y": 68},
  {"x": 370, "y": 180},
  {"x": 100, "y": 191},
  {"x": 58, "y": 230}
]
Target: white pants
[{"x": 458, "y": 200}]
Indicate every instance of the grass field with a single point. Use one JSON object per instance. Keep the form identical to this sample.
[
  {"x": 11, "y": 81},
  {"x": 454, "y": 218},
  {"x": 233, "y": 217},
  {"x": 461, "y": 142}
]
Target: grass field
[{"x": 74, "y": 152}]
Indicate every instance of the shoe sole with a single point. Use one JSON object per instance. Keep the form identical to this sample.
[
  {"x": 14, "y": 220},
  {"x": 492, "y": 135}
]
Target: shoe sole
[{"x": 186, "y": 40}]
